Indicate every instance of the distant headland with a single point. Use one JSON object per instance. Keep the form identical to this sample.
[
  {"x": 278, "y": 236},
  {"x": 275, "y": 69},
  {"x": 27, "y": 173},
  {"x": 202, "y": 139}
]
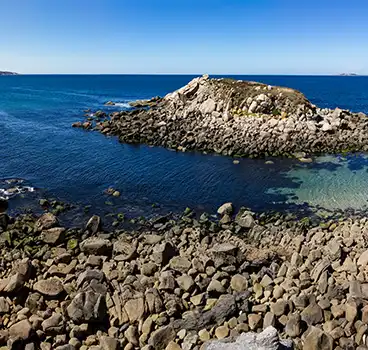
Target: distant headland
[
  {"x": 8, "y": 73},
  {"x": 348, "y": 74}
]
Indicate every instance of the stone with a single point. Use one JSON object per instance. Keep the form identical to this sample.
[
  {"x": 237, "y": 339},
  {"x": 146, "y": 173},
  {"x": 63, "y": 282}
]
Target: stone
[
  {"x": 204, "y": 335},
  {"x": 46, "y": 221},
  {"x": 131, "y": 334},
  {"x": 167, "y": 281},
  {"x": 21, "y": 330},
  {"x": 109, "y": 343},
  {"x": 134, "y": 308},
  {"x": 351, "y": 311},
  {"x": 173, "y": 346},
  {"x": 163, "y": 253},
  {"x": 222, "y": 332},
  {"x": 53, "y": 235},
  {"x": 162, "y": 337},
  {"x": 51, "y": 287},
  {"x": 94, "y": 225},
  {"x": 316, "y": 339},
  {"x": 266, "y": 340},
  {"x": 292, "y": 327},
  {"x": 363, "y": 259},
  {"x": 312, "y": 314},
  {"x": 4, "y": 306},
  {"x": 266, "y": 281},
  {"x": 215, "y": 287},
  {"x": 96, "y": 246},
  {"x": 254, "y": 321},
  {"x": 52, "y": 326},
  {"x": 269, "y": 320},
  {"x": 185, "y": 282},
  {"x": 180, "y": 264},
  {"x": 124, "y": 251},
  {"x": 149, "y": 269},
  {"x": 226, "y": 208},
  {"x": 239, "y": 283},
  {"x": 87, "y": 307},
  {"x": 245, "y": 219},
  {"x": 279, "y": 307},
  {"x": 88, "y": 276}
]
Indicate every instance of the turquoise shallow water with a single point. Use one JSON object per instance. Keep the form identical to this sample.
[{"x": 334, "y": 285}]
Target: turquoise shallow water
[{"x": 37, "y": 144}]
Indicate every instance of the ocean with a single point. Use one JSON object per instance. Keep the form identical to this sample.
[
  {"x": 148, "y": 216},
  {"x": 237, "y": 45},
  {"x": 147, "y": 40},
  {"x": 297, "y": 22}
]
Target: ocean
[{"x": 52, "y": 159}]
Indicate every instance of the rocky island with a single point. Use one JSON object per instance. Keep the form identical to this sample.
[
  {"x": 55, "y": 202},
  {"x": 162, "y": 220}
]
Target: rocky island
[
  {"x": 236, "y": 118},
  {"x": 236, "y": 282},
  {"x": 7, "y": 73}
]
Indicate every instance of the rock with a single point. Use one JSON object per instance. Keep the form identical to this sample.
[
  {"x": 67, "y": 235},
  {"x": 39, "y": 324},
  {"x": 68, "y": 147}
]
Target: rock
[
  {"x": 13, "y": 283},
  {"x": 215, "y": 287},
  {"x": 109, "y": 343},
  {"x": 53, "y": 325},
  {"x": 167, "y": 281},
  {"x": 245, "y": 219},
  {"x": 124, "y": 251},
  {"x": 46, "y": 221},
  {"x": 163, "y": 253},
  {"x": 149, "y": 269},
  {"x": 363, "y": 259},
  {"x": 87, "y": 307},
  {"x": 312, "y": 314},
  {"x": 21, "y": 330},
  {"x": 173, "y": 346},
  {"x": 162, "y": 337},
  {"x": 226, "y": 208},
  {"x": 134, "y": 308},
  {"x": 266, "y": 340},
  {"x": 88, "y": 276},
  {"x": 254, "y": 321},
  {"x": 180, "y": 264},
  {"x": 53, "y": 235},
  {"x": 4, "y": 306},
  {"x": 94, "y": 224},
  {"x": 239, "y": 283},
  {"x": 96, "y": 246},
  {"x": 185, "y": 282},
  {"x": 279, "y": 307},
  {"x": 222, "y": 332},
  {"x": 51, "y": 287},
  {"x": 316, "y": 339},
  {"x": 292, "y": 328}
]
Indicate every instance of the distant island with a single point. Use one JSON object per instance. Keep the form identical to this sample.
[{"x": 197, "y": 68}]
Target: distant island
[
  {"x": 348, "y": 74},
  {"x": 7, "y": 73}
]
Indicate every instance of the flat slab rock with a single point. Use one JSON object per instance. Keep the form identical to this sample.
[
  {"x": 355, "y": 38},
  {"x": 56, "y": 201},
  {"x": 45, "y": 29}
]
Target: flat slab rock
[{"x": 266, "y": 340}]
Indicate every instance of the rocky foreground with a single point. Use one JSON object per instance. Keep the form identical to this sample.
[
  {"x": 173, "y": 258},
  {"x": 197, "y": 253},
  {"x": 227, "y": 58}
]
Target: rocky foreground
[
  {"x": 235, "y": 118},
  {"x": 184, "y": 284}
]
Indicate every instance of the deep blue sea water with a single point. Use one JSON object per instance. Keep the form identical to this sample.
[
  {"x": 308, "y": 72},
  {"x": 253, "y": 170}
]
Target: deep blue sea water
[{"x": 38, "y": 144}]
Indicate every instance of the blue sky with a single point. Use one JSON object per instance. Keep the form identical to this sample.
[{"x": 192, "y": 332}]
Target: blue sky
[{"x": 191, "y": 36}]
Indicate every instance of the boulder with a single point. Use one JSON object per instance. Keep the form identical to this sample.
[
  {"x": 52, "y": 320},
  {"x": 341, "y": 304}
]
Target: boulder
[
  {"x": 87, "y": 307},
  {"x": 226, "y": 208},
  {"x": 266, "y": 340},
  {"x": 94, "y": 224},
  {"x": 46, "y": 221},
  {"x": 96, "y": 246},
  {"x": 51, "y": 287},
  {"x": 53, "y": 235}
]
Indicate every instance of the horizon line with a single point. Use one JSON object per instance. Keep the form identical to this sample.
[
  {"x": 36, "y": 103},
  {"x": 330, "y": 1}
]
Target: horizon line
[{"x": 195, "y": 74}]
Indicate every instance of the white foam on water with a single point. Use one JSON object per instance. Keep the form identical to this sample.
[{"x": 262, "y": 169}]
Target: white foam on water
[{"x": 123, "y": 104}]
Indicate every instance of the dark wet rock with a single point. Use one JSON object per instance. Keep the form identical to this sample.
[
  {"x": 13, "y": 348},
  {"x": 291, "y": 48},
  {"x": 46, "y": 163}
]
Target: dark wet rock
[{"x": 94, "y": 224}]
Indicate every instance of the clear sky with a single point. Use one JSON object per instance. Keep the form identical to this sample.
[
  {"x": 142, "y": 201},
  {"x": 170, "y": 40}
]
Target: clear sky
[{"x": 184, "y": 36}]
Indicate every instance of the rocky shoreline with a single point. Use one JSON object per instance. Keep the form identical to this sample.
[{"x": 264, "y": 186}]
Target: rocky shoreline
[
  {"x": 184, "y": 284},
  {"x": 236, "y": 118}
]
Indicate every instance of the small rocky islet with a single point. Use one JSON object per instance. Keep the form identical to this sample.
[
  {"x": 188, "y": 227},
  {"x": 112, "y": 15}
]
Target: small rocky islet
[
  {"x": 235, "y": 282},
  {"x": 235, "y": 118}
]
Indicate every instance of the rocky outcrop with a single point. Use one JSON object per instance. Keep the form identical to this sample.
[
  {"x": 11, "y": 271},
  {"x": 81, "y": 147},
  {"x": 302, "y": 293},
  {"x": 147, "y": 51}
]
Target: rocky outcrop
[{"x": 236, "y": 118}]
